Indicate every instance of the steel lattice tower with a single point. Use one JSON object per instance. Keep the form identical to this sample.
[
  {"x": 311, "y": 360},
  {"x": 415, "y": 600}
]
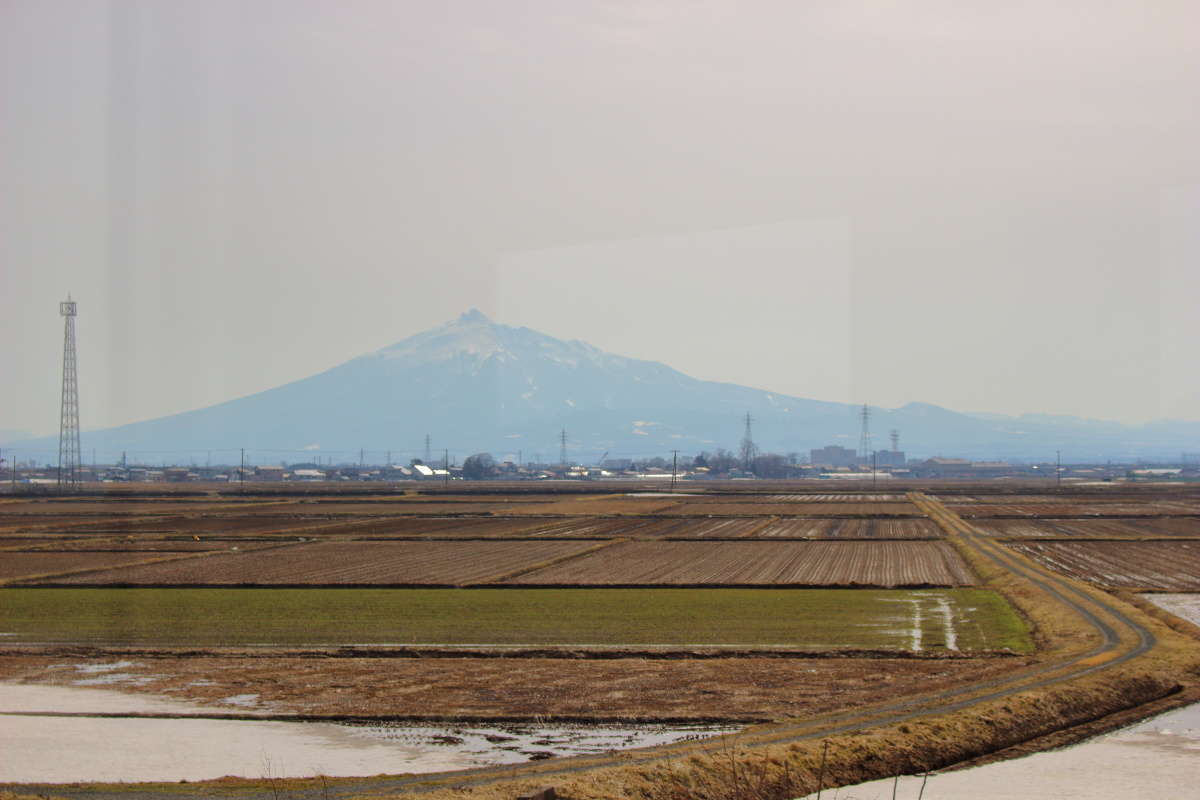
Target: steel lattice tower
[
  {"x": 562, "y": 447},
  {"x": 68, "y": 430},
  {"x": 864, "y": 441},
  {"x": 748, "y": 450}
]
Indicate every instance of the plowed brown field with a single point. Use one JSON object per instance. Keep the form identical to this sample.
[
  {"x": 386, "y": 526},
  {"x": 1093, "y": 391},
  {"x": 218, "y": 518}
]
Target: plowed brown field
[
  {"x": 648, "y": 527},
  {"x": 1168, "y": 566},
  {"x": 345, "y": 563},
  {"x": 212, "y": 524},
  {"x": 386, "y": 508},
  {"x": 1132, "y": 528},
  {"x": 796, "y": 498},
  {"x": 146, "y": 544},
  {"x": 795, "y": 509},
  {"x": 38, "y": 522},
  {"x": 1141, "y": 509},
  {"x": 451, "y": 527},
  {"x": 14, "y": 566},
  {"x": 753, "y": 562},
  {"x": 805, "y": 528}
]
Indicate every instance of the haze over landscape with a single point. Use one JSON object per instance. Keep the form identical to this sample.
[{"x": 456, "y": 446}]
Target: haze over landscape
[
  {"x": 989, "y": 212},
  {"x": 753, "y": 399},
  {"x": 475, "y": 384}
]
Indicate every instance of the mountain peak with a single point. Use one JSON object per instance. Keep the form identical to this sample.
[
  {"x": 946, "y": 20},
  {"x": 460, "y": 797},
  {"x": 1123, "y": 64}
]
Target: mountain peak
[{"x": 474, "y": 315}]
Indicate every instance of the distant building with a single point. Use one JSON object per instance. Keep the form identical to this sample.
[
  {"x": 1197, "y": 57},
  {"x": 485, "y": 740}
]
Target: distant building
[
  {"x": 268, "y": 473},
  {"x": 833, "y": 456},
  {"x": 889, "y": 458},
  {"x": 945, "y": 468}
]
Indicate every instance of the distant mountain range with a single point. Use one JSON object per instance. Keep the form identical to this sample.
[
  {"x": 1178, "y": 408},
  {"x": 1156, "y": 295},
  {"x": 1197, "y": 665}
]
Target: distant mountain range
[{"x": 474, "y": 385}]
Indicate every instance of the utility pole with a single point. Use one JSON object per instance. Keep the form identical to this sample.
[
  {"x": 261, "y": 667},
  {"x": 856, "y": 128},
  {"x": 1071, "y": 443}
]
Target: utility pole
[
  {"x": 446, "y": 468},
  {"x": 389, "y": 459},
  {"x": 873, "y": 473},
  {"x": 1058, "y": 468},
  {"x": 242, "y": 472},
  {"x": 674, "y": 467}
]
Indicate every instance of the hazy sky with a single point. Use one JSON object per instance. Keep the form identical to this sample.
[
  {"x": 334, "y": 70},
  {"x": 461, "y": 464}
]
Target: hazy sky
[{"x": 988, "y": 206}]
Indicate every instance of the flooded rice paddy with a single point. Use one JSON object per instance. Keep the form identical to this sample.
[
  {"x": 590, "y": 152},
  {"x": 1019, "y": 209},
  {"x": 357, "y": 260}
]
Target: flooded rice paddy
[
  {"x": 38, "y": 724},
  {"x": 1157, "y": 758}
]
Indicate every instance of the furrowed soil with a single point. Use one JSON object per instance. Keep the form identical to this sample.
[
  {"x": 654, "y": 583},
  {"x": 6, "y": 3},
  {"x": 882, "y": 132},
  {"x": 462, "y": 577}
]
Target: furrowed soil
[
  {"x": 346, "y": 563},
  {"x": 1164, "y": 566},
  {"x": 813, "y": 697},
  {"x": 823, "y": 563}
]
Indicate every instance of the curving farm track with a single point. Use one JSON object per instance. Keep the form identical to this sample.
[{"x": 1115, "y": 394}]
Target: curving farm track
[{"x": 1121, "y": 639}]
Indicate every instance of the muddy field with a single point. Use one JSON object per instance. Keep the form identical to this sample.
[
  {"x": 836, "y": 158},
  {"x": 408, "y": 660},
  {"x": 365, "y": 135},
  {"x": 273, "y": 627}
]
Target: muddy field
[
  {"x": 806, "y": 528},
  {"x": 1065, "y": 509},
  {"x": 459, "y": 563},
  {"x": 1141, "y": 528},
  {"x": 205, "y": 524},
  {"x": 728, "y": 507},
  {"x": 763, "y": 563},
  {"x": 15, "y": 565},
  {"x": 1165, "y": 566},
  {"x": 145, "y": 544},
  {"x": 629, "y": 688},
  {"x": 651, "y": 528},
  {"x": 345, "y": 563},
  {"x": 815, "y": 497}
]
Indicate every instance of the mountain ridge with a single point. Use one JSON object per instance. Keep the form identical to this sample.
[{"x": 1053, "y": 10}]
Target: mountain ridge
[{"x": 477, "y": 385}]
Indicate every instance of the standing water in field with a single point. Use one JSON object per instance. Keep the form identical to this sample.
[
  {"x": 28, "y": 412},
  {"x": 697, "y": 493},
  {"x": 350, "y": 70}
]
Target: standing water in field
[
  {"x": 39, "y": 723},
  {"x": 1157, "y": 758}
]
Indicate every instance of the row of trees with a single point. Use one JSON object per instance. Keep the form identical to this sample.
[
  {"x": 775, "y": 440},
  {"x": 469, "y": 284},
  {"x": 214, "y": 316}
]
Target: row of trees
[{"x": 722, "y": 462}]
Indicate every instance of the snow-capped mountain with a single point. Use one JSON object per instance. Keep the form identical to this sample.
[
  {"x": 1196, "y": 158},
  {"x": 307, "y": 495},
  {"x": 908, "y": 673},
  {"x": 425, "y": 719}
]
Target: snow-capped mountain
[{"x": 476, "y": 385}]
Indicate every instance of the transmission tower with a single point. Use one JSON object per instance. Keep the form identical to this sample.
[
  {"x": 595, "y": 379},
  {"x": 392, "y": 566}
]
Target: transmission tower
[
  {"x": 748, "y": 450},
  {"x": 427, "y": 455},
  {"x": 68, "y": 430},
  {"x": 895, "y": 434},
  {"x": 562, "y": 447},
  {"x": 864, "y": 441}
]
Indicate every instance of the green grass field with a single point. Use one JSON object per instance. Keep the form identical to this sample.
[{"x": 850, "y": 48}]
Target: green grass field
[{"x": 965, "y": 619}]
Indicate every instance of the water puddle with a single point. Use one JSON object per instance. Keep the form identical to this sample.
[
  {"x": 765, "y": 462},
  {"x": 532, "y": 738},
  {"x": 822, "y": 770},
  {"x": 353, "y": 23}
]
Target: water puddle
[
  {"x": 514, "y": 743},
  {"x": 1157, "y": 758},
  {"x": 1183, "y": 605},
  {"x": 32, "y": 740}
]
